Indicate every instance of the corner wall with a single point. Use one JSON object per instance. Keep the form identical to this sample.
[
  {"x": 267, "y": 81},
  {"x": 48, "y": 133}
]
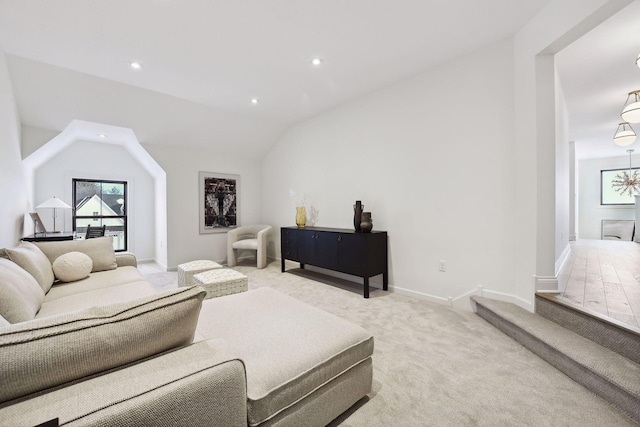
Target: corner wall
[
  {"x": 12, "y": 185},
  {"x": 184, "y": 241}
]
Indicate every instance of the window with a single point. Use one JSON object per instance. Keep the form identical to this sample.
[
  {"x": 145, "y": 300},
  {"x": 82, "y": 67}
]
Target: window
[
  {"x": 608, "y": 195},
  {"x": 99, "y": 203}
]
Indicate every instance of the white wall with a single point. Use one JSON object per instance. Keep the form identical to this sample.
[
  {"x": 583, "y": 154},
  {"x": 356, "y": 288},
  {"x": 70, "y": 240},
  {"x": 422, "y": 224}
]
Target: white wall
[
  {"x": 591, "y": 212},
  {"x": 184, "y": 243},
  {"x": 436, "y": 175},
  {"x": 12, "y": 183},
  {"x": 91, "y": 160},
  {"x": 560, "y": 23},
  {"x": 563, "y": 168}
]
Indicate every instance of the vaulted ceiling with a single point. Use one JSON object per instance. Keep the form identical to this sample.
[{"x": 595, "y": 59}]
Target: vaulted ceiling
[{"x": 204, "y": 60}]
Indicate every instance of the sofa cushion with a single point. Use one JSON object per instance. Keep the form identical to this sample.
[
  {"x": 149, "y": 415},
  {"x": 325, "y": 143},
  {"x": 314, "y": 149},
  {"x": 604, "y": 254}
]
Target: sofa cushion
[
  {"x": 100, "y": 250},
  {"x": 102, "y": 279},
  {"x": 280, "y": 371},
  {"x": 72, "y": 266},
  {"x": 46, "y": 352},
  {"x": 96, "y": 297},
  {"x": 5, "y": 322},
  {"x": 20, "y": 295},
  {"x": 30, "y": 257}
]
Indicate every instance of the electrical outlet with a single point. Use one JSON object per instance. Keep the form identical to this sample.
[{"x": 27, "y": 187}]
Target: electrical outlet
[{"x": 442, "y": 266}]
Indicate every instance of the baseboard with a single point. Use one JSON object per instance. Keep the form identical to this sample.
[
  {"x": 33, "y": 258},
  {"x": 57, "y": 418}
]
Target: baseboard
[
  {"x": 562, "y": 259},
  {"x": 463, "y": 301}
]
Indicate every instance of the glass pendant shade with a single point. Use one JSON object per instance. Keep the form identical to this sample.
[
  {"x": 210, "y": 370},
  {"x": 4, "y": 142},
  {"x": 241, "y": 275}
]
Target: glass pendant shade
[
  {"x": 624, "y": 135},
  {"x": 631, "y": 110}
]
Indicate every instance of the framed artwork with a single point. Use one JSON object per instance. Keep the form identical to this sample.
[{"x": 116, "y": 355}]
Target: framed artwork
[
  {"x": 219, "y": 202},
  {"x": 608, "y": 194}
]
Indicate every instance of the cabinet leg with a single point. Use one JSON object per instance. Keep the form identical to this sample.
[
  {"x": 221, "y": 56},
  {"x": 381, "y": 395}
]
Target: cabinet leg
[
  {"x": 385, "y": 281},
  {"x": 366, "y": 287},
  {"x": 283, "y": 264},
  {"x": 302, "y": 266}
]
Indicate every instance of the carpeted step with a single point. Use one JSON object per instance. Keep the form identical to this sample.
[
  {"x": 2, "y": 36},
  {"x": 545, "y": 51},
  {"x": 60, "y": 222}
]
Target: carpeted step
[
  {"x": 623, "y": 339},
  {"x": 604, "y": 372}
]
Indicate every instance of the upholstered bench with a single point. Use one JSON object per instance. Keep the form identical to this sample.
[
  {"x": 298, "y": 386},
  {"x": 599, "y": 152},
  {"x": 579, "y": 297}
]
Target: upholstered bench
[
  {"x": 221, "y": 281},
  {"x": 187, "y": 270}
]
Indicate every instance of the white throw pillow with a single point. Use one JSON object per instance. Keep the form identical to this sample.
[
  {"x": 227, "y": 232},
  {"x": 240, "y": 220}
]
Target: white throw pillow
[{"x": 72, "y": 266}]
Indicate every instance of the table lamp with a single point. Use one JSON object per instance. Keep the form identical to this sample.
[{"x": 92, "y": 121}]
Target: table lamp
[{"x": 55, "y": 204}]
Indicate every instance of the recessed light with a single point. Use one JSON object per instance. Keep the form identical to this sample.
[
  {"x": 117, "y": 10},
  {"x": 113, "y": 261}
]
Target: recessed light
[
  {"x": 316, "y": 62},
  {"x": 135, "y": 65},
  {"x": 102, "y": 135},
  {"x": 254, "y": 101}
]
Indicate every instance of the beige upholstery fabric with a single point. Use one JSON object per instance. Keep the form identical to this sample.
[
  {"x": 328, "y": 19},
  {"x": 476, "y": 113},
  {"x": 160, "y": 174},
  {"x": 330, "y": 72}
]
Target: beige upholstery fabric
[
  {"x": 187, "y": 270},
  {"x": 332, "y": 399},
  {"x": 3, "y": 321},
  {"x": 198, "y": 385},
  {"x": 46, "y": 352},
  {"x": 97, "y": 297},
  {"x": 100, "y": 250},
  {"x": 126, "y": 259},
  {"x": 20, "y": 294},
  {"x": 102, "y": 279},
  {"x": 30, "y": 257},
  {"x": 221, "y": 281},
  {"x": 72, "y": 266},
  {"x": 248, "y": 237},
  {"x": 281, "y": 371}
]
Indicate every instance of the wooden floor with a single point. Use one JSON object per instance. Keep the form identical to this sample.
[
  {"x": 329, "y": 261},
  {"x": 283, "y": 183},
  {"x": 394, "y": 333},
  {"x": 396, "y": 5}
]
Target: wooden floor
[{"x": 604, "y": 276}]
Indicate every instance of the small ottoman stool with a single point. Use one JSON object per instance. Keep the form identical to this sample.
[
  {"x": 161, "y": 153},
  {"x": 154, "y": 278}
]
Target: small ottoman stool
[
  {"x": 221, "y": 281},
  {"x": 187, "y": 270}
]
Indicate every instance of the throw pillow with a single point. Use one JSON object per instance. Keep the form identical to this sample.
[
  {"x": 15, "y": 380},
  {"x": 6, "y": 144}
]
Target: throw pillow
[
  {"x": 30, "y": 257},
  {"x": 20, "y": 295},
  {"x": 54, "y": 350},
  {"x": 72, "y": 266},
  {"x": 100, "y": 250}
]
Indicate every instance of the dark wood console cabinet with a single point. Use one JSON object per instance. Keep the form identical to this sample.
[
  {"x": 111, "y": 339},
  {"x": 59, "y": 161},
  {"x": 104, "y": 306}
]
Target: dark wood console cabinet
[{"x": 343, "y": 250}]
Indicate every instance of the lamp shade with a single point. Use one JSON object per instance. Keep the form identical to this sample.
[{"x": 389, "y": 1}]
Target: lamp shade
[
  {"x": 631, "y": 110},
  {"x": 54, "y": 203},
  {"x": 624, "y": 135}
]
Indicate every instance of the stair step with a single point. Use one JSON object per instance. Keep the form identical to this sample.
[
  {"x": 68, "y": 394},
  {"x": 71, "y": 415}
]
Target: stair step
[
  {"x": 604, "y": 372},
  {"x": 623, "y": 339}
]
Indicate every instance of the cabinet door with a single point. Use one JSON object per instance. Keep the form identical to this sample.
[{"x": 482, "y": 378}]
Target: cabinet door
[
  {"x": 352, "y": 254},
  {"x": 289, "y": 244},
  {"x": 318, "y": 248}
]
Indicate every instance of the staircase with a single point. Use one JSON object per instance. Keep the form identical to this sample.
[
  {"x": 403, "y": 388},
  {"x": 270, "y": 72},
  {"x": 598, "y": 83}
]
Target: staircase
[{"x": 600, "y": 354}]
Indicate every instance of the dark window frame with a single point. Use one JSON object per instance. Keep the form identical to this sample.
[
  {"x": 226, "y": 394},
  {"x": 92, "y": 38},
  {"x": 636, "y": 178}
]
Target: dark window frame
[{"x": 124, "y": 216}]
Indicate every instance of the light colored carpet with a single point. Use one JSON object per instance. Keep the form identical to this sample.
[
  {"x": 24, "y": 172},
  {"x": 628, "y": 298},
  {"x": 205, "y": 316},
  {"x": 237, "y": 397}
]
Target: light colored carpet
[{"x": 438, "y": 366}]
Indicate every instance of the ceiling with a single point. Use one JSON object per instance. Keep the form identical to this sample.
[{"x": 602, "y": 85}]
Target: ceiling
[
  {"x": 597, "y": 72},
  {"x": 203, "y": 60}
]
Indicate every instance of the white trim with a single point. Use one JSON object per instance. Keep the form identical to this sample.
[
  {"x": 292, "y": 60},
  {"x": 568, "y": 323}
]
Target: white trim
[
  {"x": 562, "y": 259},
  {"x": 545, "y": 282}
]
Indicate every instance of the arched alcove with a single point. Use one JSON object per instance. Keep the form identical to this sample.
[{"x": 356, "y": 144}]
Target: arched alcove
[{"x": 79, "y": 130}]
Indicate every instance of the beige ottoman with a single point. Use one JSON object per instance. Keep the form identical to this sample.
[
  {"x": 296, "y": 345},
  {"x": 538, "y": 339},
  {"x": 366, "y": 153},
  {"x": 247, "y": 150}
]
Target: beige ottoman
[
  {"x": 187, "y": 270},
  {"x": 221, "y": 281}
]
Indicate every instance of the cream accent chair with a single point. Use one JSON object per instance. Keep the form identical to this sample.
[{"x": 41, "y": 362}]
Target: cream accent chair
[{"x": 248, "y": 237}]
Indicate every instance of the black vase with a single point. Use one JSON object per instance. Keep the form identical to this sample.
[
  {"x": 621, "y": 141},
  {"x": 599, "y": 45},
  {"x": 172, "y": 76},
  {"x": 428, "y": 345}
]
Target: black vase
[
  {"x": 357, "y": 215},
  {"x": 367, "y": 223}
]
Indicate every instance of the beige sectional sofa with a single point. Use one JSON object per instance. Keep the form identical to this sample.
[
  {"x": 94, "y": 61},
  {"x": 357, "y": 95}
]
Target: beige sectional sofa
[{"x": 107, "y": 349}]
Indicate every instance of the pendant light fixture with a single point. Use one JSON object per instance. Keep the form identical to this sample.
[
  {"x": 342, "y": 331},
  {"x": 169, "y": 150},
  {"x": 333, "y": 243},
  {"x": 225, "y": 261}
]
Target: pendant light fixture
[
  {"x": 627, "y": 182},
  {"x": 624, "y": 135},
  {"x": 631, "y": 109}
]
